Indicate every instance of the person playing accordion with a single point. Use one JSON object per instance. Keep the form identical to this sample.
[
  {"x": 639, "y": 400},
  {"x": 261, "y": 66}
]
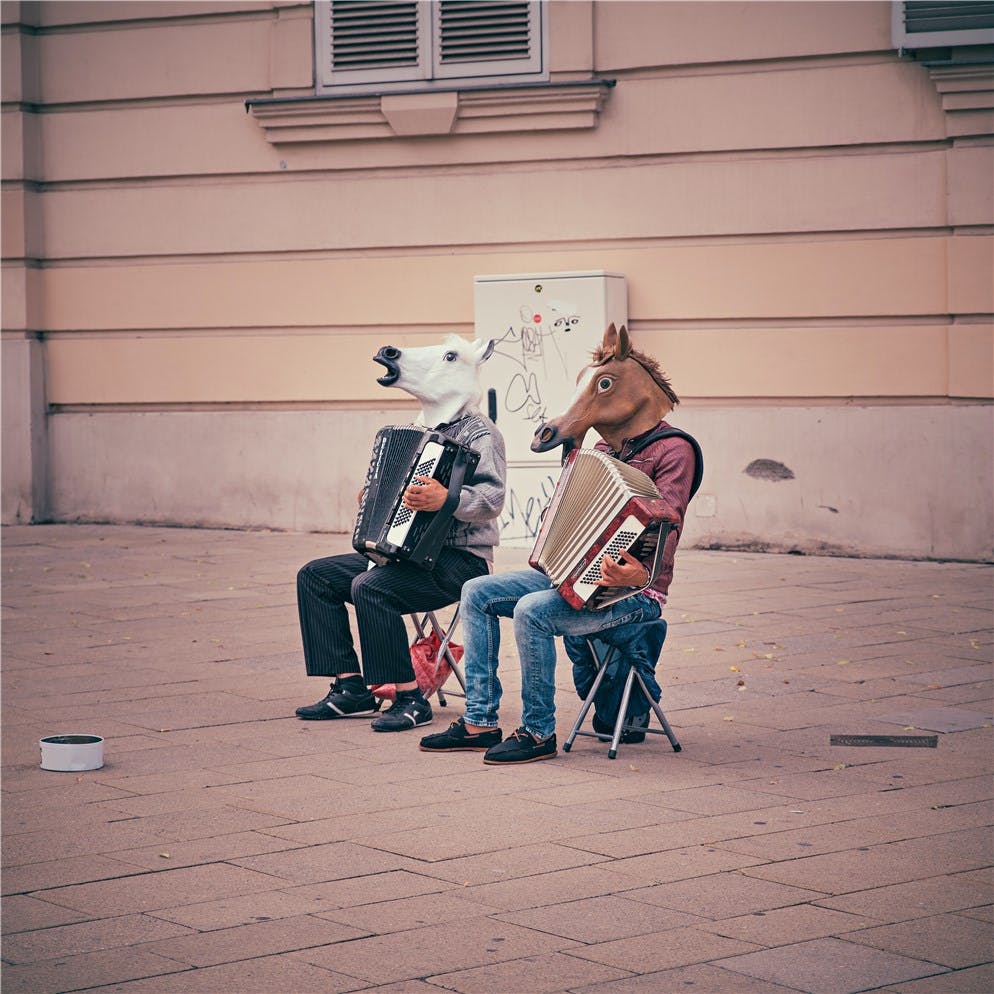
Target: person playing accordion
[
  {"x": 444, "y": 379},
  {"x": 624, "y": 395}
]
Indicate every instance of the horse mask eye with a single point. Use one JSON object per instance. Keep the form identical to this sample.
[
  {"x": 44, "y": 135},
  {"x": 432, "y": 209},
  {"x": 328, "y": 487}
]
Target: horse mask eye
[
  {"x": 604, "y": 383},
  {"x": 450, "y": 356}
]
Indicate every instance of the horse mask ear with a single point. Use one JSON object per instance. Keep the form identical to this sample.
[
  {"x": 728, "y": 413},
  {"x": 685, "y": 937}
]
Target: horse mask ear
[{"x": 617, "y": 342}]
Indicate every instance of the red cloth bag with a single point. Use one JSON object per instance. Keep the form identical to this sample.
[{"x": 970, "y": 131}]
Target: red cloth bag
[{"x": 430, "y": 670}]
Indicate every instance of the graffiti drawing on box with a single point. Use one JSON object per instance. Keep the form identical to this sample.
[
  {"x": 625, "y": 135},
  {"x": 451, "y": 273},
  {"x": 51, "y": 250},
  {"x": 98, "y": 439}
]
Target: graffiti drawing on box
[
  {"x": 536, "y": 346},
  {"x": 545, "y": 328}
]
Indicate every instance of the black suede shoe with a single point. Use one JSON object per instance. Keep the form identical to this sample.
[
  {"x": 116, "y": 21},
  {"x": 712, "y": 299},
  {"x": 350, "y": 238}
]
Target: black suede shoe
[
  {"x": 343, "y": 700},
  {"x": 409, "y": 710},
  {"x": 456, "y": 739},
  {"x": 521, "y": 747}
]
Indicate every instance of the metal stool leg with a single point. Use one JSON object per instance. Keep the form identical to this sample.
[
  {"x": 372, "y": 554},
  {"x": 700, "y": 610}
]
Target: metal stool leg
[
  {"x": 621, "y": 724},
  {"x": 588, "y": 703},
  {"x": 667, "y": 730}
]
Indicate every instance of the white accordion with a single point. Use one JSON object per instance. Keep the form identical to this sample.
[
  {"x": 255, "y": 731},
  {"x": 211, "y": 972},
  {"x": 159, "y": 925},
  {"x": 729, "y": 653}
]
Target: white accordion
[{"x": 601, "y": 506}]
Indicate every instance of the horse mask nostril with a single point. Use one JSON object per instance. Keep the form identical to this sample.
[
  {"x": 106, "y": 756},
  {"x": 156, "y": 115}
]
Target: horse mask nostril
[
  {"x": 546, "y": 434},
  {"x": 389, "y": 352}
]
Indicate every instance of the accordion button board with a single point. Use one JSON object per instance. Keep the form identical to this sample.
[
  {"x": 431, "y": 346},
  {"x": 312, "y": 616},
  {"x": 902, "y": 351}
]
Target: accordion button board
[{"x": 388, "y": 531}]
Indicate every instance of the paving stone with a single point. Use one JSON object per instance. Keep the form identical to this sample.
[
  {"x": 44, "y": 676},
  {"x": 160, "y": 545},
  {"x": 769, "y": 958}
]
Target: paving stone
[
  {"x": 255, "y": 976},
  {"x": 500, "y": 863},
  {"x": 349, "y": 828},
  {"x": 246, "y": 942},
  {"x": 984, "y": 914},
  {"x": 723, "y": 895},
  {"x": 783, "y": 926},
  {"x": 547, "y": 974},
  {"x": 973, "y": 980},
  {"x": 63, "y": 872},
  {"x": 702, "y": 979},
  {"x": 818, "y": 839},
  {"x": 681, "y": 864},
  {"x": 70, "y": 973},
  {"x": 168, "y": 889},
  {"x": 244, "y": 910},
  {"x": 829, "y": 966},
  {"x": 409, "y": 913},
  {"x": 949, "y": 940},
  {"x": 87, "y": 937},
  {"x": 205, "y": 850},
  {"x": 874, "y": 866},
  {"x": 371, "y": 889},
  {"x": 940, "y": 719},
  {"x": 548, "y": 888},
  {"x": 74, "y": 840},
  {"x": 661, "y": 950},
  {"x": 419, "y": 953},
  {"x": 314, "y": 864},
  {"x": 599, "y": 919},
  {"x": 23, "y": 914}
]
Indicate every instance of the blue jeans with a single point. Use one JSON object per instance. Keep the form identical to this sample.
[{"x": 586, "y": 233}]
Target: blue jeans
[{"x": 540, "y": 614}]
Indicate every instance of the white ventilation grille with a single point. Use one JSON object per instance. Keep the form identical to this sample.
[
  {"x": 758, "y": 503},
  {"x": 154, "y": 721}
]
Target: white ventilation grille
[
  {"x": 373, "y": 35},
  {"x": 377, "y": 45},
  {"x": 473, "y": 31}
]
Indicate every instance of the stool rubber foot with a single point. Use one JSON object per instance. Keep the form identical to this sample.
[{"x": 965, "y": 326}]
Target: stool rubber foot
[
  {"x": 612, "y": 753},
  {"x": 567, "y": 746},
  {"x": 678, "y": 748}
]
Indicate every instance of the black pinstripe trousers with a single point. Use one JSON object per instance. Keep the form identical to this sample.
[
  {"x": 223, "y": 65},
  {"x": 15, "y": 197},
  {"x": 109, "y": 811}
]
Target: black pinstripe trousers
[{"x": 381, "y": 597}]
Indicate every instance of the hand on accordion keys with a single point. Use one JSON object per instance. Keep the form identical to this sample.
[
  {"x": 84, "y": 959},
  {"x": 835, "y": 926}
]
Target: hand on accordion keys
[
  {"x": 425, "y": 494},
  {"x": 628, "y": 572}
]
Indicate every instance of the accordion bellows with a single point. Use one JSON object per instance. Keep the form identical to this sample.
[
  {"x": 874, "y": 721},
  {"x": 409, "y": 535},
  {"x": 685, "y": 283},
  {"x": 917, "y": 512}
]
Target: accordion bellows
[
  {"x": 386, "y": 530},
  {"x": 601, "y": 506}
]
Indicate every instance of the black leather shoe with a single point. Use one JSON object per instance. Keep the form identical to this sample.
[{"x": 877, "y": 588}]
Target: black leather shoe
[{"x": 521, "y": 747}]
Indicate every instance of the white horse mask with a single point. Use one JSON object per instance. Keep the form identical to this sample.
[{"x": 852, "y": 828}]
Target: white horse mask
[{"x": 445, "y": 377}]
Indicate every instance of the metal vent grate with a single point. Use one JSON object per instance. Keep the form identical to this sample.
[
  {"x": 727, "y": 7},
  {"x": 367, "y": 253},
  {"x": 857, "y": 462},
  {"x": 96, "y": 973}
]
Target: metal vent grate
[
  {"x": 905, "y": 741},
  {"x": 925, "y": 16},
  {"x": 476, "y": 31},
  {"x": 370, "y": 35}
]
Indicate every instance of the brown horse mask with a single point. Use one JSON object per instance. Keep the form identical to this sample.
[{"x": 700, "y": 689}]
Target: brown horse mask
[{"x": 621, "y": 394}]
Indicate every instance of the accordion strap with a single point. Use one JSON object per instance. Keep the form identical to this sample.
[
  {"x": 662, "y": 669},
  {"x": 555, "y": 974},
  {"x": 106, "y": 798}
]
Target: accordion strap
[{"x": 675, "y": 433}]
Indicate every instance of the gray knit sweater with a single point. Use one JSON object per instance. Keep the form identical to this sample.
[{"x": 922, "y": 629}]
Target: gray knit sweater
[{"x": 474, "y": 527}]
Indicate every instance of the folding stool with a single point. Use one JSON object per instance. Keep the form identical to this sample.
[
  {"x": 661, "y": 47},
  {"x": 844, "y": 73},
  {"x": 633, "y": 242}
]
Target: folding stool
[
  {"x": 428, "y": 621},
  {"x": 605, "y": 654}
]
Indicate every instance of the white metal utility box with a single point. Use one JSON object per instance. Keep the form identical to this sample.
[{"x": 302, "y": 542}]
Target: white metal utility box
[{"x": 545, "y": 326}]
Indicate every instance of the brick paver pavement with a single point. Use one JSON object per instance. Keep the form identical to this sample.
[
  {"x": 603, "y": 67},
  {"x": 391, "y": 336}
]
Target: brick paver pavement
[{"x": 228, "y": 847}]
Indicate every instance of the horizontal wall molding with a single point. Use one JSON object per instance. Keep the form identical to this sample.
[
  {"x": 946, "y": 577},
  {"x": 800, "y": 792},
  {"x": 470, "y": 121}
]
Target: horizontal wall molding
[
  {"x": 637, "y": 203},
  {"x": 883, "y": 277},
  {"x": 403, "y": 410},
  {"x": 843, "y": 362}
]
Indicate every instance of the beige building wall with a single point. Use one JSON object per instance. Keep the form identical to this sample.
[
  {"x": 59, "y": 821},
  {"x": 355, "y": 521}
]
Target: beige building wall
[{"x": 196, "y": 275}]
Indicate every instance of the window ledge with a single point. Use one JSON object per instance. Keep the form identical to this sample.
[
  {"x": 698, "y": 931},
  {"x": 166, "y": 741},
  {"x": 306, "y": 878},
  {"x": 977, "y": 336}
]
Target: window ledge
[{"x": 491, "y": 110}]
